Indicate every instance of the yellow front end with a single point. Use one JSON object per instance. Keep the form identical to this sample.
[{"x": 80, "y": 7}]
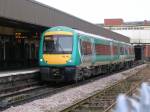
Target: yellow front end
[
  {"x": 57, "y": 47},
  {"x": 56, "y": 59}
]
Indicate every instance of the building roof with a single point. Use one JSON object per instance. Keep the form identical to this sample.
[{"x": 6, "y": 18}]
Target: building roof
[{"x": 32, "y": 12}]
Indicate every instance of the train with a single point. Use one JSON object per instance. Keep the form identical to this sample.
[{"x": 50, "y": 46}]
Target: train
[{"x": 67, "y": 54}]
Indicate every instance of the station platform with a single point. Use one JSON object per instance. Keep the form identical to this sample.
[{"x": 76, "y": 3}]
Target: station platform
[
  {"x": 15, "y": 75},
  {"x": 17, "y": 79},
  {"x": 18, "y": 72}
]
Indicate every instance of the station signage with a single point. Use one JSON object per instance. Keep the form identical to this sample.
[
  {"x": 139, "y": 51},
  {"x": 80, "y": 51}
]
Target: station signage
[{"x": 19, "y": 36}]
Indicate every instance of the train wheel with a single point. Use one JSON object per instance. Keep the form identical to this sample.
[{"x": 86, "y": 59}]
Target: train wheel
[
  {"x": 78, "y": 76},
  {"x": 86, "y": 73}
]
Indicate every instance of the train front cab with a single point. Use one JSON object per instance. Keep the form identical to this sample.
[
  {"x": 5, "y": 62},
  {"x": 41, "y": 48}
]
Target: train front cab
[{"x": 58, "y": 55}]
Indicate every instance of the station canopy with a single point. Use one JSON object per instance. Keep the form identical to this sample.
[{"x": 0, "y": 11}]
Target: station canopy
[{"x": 37, "y": 15}]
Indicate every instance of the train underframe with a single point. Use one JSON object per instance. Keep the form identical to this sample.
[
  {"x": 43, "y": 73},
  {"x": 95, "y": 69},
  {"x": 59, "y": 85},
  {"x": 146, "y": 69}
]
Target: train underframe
[{"x": 68, "y": 74}]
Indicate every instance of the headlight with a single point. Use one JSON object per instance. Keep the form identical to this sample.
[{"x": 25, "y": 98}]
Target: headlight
[
  {"x": 41, "y": 59},
  {"x": 70, "y": 61}
]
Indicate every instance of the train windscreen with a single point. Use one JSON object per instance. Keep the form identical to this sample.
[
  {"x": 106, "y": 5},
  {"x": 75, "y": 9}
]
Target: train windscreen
[{"x": 58, "y": 44}]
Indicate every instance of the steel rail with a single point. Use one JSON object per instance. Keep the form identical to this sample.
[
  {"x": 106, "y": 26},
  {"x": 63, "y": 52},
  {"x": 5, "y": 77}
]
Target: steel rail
[
  {"x": 31, "y": 91},
  {"x": 130, "y": 92},
  {"x": 15, "y": 98},
  {"x": 128, "y": 89}
]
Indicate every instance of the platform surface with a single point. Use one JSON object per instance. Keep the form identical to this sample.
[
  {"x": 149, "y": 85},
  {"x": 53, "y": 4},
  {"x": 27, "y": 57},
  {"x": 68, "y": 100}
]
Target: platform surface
[{"x": 18, "y": 72}]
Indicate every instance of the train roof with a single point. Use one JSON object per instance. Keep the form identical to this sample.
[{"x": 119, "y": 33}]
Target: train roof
[
  {"x": 87, "y": 34},
  {"x": 100, "y": 37},
  {"x": 92, "y": 35}
]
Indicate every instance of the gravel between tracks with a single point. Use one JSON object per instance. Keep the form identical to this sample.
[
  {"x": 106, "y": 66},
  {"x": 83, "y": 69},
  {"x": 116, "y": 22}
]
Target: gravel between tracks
[{"x": 58, "y": 101}]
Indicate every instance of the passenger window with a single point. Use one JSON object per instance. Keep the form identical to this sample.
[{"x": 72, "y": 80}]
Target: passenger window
[
  {"x": 86, "y": 47},
  {"x": 121, "y": 50}
]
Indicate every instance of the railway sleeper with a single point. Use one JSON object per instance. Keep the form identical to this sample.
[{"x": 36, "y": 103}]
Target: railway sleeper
[{"x": 94, "y": 107}]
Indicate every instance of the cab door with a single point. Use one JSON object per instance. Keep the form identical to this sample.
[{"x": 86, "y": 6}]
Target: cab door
[{"x": 111, "y": 51}]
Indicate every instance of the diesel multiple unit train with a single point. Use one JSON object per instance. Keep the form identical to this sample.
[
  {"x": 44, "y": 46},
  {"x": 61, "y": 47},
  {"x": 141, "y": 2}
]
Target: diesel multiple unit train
[{"x": 67, "y": 54}]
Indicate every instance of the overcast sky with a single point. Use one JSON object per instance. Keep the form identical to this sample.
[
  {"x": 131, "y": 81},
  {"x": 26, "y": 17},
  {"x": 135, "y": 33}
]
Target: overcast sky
[{"x": 96, "y": 11}]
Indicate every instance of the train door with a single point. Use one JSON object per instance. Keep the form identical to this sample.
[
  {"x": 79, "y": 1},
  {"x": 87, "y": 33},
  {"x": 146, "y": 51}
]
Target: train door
[
  {"x": 111, "y": 51},
  {"x": 86, "y": 51},
  {"x": 121, "y": 52},
  {"x": 93, "y": 51}
]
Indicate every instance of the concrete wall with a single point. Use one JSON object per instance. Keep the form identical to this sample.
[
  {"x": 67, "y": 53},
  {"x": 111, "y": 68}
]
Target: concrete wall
[{"x": 137, "y": 36}]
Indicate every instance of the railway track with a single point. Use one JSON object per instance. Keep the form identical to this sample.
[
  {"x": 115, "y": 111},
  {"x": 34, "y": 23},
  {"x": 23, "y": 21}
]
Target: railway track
[
  {"x": 35, "y": 90},
  {"x": 13, "y": 85},
  {"x": 104, "y": 100},
  {"x": 25, "y": 90},
  {"x": 31, "y": 89},
  {"x": 27, "y": 94}
]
